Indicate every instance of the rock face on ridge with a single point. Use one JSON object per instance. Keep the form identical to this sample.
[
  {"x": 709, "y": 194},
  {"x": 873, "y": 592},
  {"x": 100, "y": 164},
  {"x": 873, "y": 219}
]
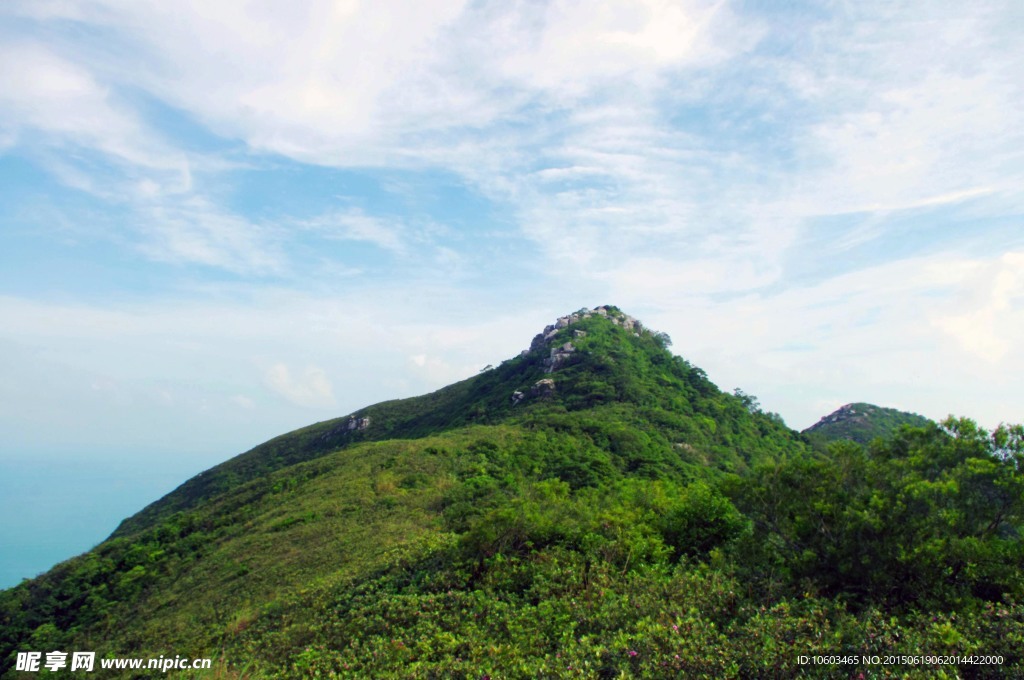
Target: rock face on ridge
[
  {"x": 543, "y": 339},
  {"x": 559, "y": 354}
]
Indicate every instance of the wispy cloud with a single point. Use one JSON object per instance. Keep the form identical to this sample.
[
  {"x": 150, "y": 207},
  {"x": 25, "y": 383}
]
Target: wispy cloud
[
  {"x": 45, "y": 94},
  {"x": 608, "y": 125},
  {"x": 676, "y": 158},
  {"x": 191, "y": 230},
  {"x": 354, "y": 224},
  {"x": 311, "y": 389},
  {"x": 918, "y": 105}
]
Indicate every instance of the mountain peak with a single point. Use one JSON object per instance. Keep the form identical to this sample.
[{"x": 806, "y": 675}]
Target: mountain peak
[
  {"x": 862, "y": 422},
  {"x": 598, "y": 356},
  {"x": 558, "y": 351},
  {"x": 844, "y": 413}
]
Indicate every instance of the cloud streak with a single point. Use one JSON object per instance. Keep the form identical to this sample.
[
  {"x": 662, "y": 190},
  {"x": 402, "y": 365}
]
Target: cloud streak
[
  {"x": 42, "y": 93},
  {"x": 311, "y": 389},
  {"x": 628, "y": 127}
]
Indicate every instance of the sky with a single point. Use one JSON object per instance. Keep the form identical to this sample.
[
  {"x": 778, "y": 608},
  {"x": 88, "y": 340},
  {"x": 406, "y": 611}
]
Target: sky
[{"x": 222, "y": 221}]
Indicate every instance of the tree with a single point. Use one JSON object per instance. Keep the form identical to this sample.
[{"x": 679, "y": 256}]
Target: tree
[
  {"x": 928, "y": 519},
  {"x": 749, "y": 401}
]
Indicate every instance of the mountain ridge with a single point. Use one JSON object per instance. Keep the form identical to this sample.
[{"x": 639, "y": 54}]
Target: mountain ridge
[{"x": 556, "y": 367}]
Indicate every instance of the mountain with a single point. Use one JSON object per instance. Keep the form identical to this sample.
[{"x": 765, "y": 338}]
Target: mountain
[
  {"x": 862, "y": 422},
  {"x": 593, "y": 507},
  {"x": 599, "y": 361}
]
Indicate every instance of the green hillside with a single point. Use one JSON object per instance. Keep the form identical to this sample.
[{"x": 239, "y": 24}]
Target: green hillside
[
  {"x": 862, "y": 422},
  {"x": 593, "y": 508},
  {"x": 654, "y": 405}
]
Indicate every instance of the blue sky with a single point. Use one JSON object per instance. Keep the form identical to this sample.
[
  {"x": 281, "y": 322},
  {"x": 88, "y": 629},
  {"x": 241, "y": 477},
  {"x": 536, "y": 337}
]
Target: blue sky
[{"x": 225, "y": 220}]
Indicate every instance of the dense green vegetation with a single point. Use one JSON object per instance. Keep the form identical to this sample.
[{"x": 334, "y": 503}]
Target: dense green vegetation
[
  {"x": 631, "y": 521},
  {"x": 862, "y": 423}
]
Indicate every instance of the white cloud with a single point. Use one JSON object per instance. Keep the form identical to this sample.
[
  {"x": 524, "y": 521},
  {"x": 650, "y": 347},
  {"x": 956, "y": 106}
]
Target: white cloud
[
  {"x": 991, "y": 320},
  {"x": 662, "y": 278},
  {"x": 944, "y": 139},
  {"x": 918, "y": 105},
  {"x": 348, "y": 84},
  {"x": 312, "y": 389},
  {"x": 568, "y": 47},
  {"x": 567, "y": 112},
  {"x": 355, "y": 225},
  {"x": 69, "y": 119},
  {"x": 243, "y": 401},
  {"x": 192, "y": 230},
  {"x": 436, "y": 370},
  {"x": 50, "y": 95},
  {"x": 306, "y": 80}
]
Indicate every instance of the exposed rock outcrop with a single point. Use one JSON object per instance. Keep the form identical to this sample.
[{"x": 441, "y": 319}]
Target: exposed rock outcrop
[
  {"x": 543, "y": 339},
  {"x": 557, "y": 356},
  {"x": 353, "y": 424},
  {"x": 846, "y": 412},
  {"x": 543, "y": 388},
  {"x": 358, "y": 423}
]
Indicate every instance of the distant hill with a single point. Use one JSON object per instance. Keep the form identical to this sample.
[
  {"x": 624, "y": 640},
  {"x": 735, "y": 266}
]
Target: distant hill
[
  {"x": 863, "y": 422},
  {"x": 593, "y": 507}
]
